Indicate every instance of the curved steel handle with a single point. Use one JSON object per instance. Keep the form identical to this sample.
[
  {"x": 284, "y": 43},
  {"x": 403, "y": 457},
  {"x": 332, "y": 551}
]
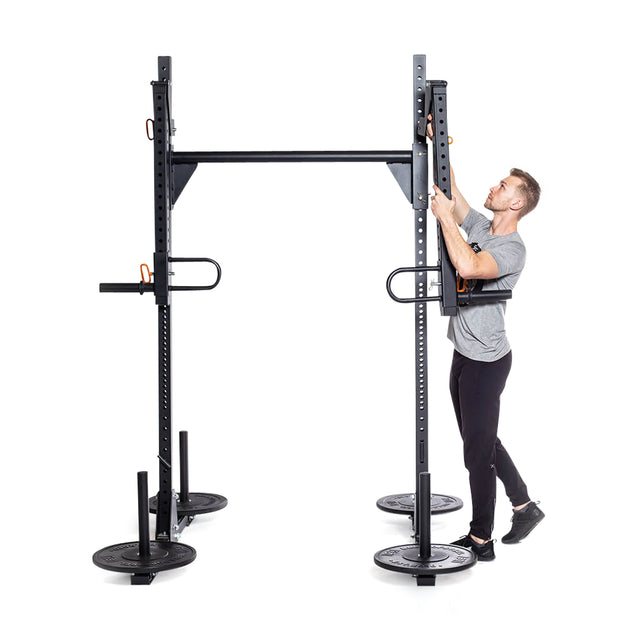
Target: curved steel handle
[
  {"x": 197, "y": 288},
  {"x": 393, "y": 274}
]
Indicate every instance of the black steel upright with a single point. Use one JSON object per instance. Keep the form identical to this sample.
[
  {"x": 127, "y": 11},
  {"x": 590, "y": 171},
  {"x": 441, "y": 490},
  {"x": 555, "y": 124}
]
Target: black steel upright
[
  {"x": 429, "y": 100},
  {"x": 420, "y": 203},
  {"x": 166, "y": 513}
]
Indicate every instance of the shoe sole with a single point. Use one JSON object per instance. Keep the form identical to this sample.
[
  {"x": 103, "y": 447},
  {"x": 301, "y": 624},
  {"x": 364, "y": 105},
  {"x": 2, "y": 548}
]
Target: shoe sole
[
  {"x": 480, "y": 559},
  {"x": 515, "y": 541}
]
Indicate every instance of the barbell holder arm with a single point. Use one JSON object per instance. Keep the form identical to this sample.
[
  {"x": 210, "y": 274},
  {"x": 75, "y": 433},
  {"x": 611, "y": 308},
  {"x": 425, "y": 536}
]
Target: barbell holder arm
[
  {"x": 484, "y": 297},
  {"x": 126, "y": 287}
]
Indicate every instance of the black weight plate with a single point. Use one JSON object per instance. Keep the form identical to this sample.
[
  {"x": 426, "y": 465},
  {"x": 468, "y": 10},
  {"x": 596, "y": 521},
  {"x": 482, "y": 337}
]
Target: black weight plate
[
  {"x": 164, "y": 556},
  {"x": 404, "y": 503},
  {"x": 445, "y": 558},
  {"x": 198, "y": 503}
]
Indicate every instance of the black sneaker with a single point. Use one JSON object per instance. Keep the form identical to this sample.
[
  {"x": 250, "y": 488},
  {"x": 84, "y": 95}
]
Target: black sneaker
[
  {"x": 484, "y": 551},
  {"x": 524, "y": 522}
]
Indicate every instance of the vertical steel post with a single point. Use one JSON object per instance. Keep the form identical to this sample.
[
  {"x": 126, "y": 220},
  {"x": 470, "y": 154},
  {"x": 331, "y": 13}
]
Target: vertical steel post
[
  {"x": 420, "y": 191},
  {"x": 163, "y": 129}
]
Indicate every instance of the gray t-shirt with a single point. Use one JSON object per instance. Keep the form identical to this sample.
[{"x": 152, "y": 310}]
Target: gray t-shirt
[{"x": 477, "y": 331}]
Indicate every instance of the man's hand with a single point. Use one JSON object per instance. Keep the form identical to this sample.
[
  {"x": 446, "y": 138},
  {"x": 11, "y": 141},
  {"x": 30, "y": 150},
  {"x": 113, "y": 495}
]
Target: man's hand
[
  {"x": 442, "y": 207},
  {"x": 429, "y": 127}
]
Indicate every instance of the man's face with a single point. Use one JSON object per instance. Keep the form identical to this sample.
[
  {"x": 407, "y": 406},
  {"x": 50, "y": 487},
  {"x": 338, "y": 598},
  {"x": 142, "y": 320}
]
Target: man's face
[{"x": 504, "y": 195}]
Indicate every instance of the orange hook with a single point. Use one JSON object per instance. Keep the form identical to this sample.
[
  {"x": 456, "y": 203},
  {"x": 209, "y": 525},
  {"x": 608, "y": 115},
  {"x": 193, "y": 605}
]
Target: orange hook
[{"x": 147, "y": 279}]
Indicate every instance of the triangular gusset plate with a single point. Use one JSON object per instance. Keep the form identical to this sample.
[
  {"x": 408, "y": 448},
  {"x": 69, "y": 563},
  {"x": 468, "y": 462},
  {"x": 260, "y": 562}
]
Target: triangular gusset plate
[
  {"x": 402, "y": 173},
  {"x": 181, "y": 175}
]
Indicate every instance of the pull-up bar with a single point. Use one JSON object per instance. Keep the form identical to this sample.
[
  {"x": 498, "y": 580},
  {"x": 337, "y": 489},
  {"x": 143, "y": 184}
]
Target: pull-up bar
[
  {"x": 171, "y": 172},
  {"x": 190, "y": 157}
]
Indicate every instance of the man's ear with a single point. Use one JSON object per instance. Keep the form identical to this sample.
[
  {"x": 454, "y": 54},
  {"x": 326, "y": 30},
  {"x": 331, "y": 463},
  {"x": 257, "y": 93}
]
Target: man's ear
[{"x": 517, "y": 204}]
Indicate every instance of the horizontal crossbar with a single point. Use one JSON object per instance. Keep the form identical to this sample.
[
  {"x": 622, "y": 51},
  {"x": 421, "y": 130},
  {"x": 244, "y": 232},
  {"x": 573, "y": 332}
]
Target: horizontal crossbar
[{"x": 189, "y": 157}]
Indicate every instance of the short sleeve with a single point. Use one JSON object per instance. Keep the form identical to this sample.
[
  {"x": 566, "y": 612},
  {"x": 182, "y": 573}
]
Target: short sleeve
[
  {"x": 510, "y": 257},
  {"x": 473, "y": 218}
]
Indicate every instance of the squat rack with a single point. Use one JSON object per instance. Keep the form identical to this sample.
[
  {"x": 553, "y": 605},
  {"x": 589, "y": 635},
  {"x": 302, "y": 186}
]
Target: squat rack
[{"x": 144, "y": 558}]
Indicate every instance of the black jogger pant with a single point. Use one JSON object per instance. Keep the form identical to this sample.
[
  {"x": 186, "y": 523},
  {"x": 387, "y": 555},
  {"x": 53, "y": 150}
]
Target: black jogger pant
[{"x": 475, "y": 390}]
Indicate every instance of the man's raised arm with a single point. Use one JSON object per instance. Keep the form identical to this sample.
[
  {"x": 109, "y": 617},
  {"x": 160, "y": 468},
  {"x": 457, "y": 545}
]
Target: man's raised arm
[{"x": 462, "y": 206}]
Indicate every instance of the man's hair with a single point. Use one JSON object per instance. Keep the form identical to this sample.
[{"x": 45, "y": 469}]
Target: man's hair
[{"x": 529, "y": 189}]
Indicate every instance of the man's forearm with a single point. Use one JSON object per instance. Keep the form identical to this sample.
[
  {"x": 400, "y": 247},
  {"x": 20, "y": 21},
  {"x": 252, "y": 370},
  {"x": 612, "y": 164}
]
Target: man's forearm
[
  {"x": 467, "y": 262},
  {"x": 461, "y": 254},
  {"x": 462, "y": 206}
]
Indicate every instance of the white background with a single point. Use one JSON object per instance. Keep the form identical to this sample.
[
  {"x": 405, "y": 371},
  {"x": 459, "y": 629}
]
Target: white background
[{"x": 294, "y": 377}]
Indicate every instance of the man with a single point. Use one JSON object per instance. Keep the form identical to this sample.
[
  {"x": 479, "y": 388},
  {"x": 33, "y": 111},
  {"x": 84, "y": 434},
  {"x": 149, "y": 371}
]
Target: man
[{"x": 492, "y": 257}]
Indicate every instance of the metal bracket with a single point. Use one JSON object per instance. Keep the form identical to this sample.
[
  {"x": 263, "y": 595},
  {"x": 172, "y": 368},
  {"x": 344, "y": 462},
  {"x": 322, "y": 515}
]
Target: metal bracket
[
  {"x": 402, "y": 173},
  {"x": 180, "y": 175}
]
